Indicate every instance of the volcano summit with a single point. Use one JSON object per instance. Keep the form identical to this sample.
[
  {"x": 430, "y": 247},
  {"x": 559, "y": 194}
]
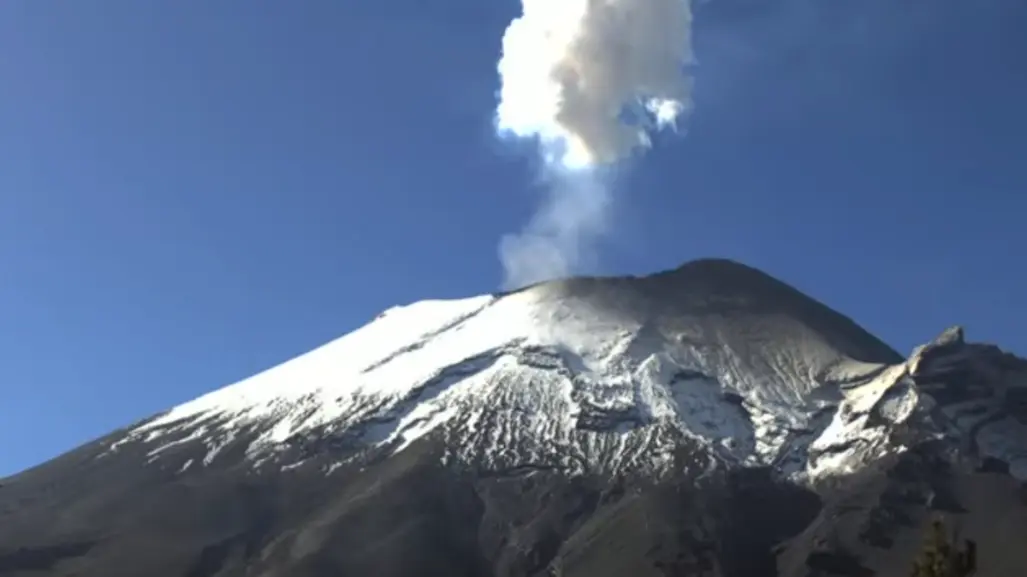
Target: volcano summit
[{"x": 708, "y": 420}]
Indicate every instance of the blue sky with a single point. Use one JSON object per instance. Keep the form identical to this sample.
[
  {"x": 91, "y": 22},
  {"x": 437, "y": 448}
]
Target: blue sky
[{"x": 191, "y": 192}]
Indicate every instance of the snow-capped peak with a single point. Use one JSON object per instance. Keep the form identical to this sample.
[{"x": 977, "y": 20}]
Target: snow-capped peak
[{"x": 605, "y": 374}]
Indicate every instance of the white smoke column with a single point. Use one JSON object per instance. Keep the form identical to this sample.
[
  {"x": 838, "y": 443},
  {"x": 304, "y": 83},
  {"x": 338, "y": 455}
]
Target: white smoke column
[
  {"x": 589, "y": 79},
  {"x": 559, "y": 239}
]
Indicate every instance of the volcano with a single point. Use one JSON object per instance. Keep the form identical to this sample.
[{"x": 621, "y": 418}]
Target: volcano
[{"x": 708, "y": 420}]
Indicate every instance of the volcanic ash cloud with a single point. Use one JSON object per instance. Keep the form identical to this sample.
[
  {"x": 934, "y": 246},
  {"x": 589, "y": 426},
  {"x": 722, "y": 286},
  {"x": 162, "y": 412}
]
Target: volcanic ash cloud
[{"x": 589, "y": 80}]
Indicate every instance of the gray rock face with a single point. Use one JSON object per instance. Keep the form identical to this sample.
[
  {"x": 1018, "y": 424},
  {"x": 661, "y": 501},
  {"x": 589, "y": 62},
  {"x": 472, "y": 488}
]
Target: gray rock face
[
  {"x": 980, "y": 390},
  {"x": 709, "y": 421}
]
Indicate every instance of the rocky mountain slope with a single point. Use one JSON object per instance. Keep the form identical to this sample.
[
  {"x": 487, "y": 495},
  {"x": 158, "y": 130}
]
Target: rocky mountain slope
[{"x": 708, "y": 420}]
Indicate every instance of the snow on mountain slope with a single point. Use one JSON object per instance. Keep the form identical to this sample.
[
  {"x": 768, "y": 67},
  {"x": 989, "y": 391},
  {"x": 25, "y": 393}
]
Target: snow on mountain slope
[{"x": 587, "y": 374}]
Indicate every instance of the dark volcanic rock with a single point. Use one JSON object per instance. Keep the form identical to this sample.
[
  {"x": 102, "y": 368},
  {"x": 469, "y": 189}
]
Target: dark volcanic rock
[{"x": 399, "y": 516}]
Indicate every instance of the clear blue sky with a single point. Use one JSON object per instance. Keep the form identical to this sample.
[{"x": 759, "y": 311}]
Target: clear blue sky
[{"x": 193, "y": 191}]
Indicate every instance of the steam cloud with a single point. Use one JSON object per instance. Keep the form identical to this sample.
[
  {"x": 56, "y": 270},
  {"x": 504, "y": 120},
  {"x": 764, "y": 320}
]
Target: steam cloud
[{"x": 590, "y": 80}]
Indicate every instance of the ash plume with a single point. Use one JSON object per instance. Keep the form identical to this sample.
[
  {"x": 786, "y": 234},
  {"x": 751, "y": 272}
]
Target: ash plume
[{"x": 589, "y": 80}]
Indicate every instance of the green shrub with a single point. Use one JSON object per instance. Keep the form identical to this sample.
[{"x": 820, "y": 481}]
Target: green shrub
[{"x": 941, "y": 557}]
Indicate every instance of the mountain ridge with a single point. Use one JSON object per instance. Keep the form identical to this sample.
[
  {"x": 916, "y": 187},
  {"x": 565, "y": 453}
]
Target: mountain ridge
[
  {"x": 599, "y": 352},
  {"x": 708, "y": 420}
]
